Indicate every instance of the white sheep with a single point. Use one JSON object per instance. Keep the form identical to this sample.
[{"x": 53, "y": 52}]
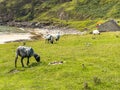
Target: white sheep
[
  {"x": 49, "y": 38},
  {"x": 57, "y": 36},
  {"x": 96, "y": 32}
]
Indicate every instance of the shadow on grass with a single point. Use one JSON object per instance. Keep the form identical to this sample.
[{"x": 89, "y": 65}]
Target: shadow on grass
[
  {"x": 16, "y": 70},
  {"x": 34, "y": 65},
  {"x": 20, "y": 69},
  {"x": 37, "y": 64}
]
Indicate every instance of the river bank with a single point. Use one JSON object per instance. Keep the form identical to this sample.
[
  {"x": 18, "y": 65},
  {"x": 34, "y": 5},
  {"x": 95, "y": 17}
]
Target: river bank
[{"x": 9, "y": 36}]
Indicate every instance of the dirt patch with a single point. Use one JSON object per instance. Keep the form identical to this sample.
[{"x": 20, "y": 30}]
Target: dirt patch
[
  {"x": 36, "y": 36},
  {"x": 56, "y": 62},
  {"x": 62, "y": 31},
  {"x": 13, "y": 71}
]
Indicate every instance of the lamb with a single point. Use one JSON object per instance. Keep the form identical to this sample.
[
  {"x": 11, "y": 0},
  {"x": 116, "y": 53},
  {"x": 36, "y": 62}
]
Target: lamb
[
  {"x": 25, "y": 52},
  {"x": 95, "y": 32}
]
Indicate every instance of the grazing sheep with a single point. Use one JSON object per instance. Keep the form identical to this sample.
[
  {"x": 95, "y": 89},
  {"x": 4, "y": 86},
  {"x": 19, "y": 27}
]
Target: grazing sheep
[
  {"x": 96, "y": 32},
  {"x": 57, "y": 37},
  {"x": 49, "y": 38},
  {"x": 25, "y": 52}
]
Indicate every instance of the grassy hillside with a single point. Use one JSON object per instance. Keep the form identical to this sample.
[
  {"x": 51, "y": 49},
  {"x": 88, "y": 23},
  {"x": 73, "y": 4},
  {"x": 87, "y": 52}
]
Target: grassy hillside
[
  {"x": 99, "y": 54},
  {"x": 62, "y": 12}
]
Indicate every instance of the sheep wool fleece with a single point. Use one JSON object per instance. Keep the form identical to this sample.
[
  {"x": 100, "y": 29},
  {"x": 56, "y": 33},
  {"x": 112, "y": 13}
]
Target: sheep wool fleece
[{"x": 25, "y": 51}]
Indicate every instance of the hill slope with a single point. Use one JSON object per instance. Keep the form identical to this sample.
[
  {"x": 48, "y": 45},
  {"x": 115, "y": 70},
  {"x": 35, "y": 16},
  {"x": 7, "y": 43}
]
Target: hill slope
[{"x": 59, "y": 11}]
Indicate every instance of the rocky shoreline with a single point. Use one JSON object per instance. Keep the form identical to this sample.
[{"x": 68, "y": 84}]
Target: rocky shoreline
[
  {"x": 34, "y": 27},
  {"x": 43, "y": 27},
  {"x": 42, "y": 24},
  {"x": 26, "y": 24}
]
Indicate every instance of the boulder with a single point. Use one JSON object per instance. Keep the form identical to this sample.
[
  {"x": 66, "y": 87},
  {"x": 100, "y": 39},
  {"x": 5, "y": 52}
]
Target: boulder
[{"x": 110, "y": 25}]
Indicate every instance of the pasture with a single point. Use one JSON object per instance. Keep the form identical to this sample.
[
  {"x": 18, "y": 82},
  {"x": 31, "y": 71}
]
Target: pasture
[{"x": 91, "y": 62}]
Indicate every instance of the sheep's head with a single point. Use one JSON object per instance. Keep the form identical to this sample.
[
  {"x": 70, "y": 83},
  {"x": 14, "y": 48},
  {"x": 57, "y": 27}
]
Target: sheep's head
[{"x": 37, "y": 57}]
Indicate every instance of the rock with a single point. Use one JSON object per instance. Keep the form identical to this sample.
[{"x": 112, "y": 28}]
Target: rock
[{"x": 110, "y": 25}]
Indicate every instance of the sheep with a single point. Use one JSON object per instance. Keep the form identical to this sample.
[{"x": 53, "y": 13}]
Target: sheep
[
  {"x": 96, "y": 32},
  {"x": 49, "y": 38},
  {"x": 25, "y": 52},
  {"x": 57, "y": 37}
]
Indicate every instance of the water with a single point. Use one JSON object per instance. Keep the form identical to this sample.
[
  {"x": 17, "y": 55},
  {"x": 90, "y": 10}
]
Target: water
[{"x": 12, "y": 34}]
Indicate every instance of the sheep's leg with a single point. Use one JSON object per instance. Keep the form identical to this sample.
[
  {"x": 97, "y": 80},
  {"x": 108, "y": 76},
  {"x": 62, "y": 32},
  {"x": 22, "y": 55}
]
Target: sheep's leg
[
  {"x": 27, "y": 60},
  {"x": 16, "y": 61},
  {"x": 22, "y": 61}
]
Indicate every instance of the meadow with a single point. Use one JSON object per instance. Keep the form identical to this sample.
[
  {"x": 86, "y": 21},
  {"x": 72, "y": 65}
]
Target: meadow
[{"x": 90, "y": 62}]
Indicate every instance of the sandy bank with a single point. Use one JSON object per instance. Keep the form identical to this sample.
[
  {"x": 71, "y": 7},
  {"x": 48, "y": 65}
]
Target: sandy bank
[{"x": 7, "y": 37}]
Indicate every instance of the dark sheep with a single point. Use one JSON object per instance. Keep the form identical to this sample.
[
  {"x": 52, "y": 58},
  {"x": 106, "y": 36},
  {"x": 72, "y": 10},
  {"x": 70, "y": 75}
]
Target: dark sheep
[{"x": 25, "y": 52}]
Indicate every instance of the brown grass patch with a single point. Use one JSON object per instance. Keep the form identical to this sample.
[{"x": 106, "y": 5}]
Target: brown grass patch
[{"x": 36, "y": 36}]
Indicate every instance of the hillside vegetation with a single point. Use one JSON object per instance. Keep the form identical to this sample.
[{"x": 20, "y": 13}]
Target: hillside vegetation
[
  {"x": 65, "y": 12},
  {"x": 92, "y": 60}
]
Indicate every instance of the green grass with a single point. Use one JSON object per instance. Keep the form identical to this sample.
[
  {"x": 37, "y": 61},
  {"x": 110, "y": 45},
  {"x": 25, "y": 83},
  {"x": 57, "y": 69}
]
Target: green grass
[{"x": 99, "y": 54}]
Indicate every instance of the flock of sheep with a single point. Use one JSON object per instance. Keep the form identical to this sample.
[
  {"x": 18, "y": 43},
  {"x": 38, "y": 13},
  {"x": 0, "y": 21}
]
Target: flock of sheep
[
  {"x": 27, "y": 52},
  {"x": 50, "y": 38}
]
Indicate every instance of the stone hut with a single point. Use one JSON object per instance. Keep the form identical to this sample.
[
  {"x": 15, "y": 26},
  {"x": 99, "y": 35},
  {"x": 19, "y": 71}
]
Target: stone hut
[{"x": 110, "y": 25}]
